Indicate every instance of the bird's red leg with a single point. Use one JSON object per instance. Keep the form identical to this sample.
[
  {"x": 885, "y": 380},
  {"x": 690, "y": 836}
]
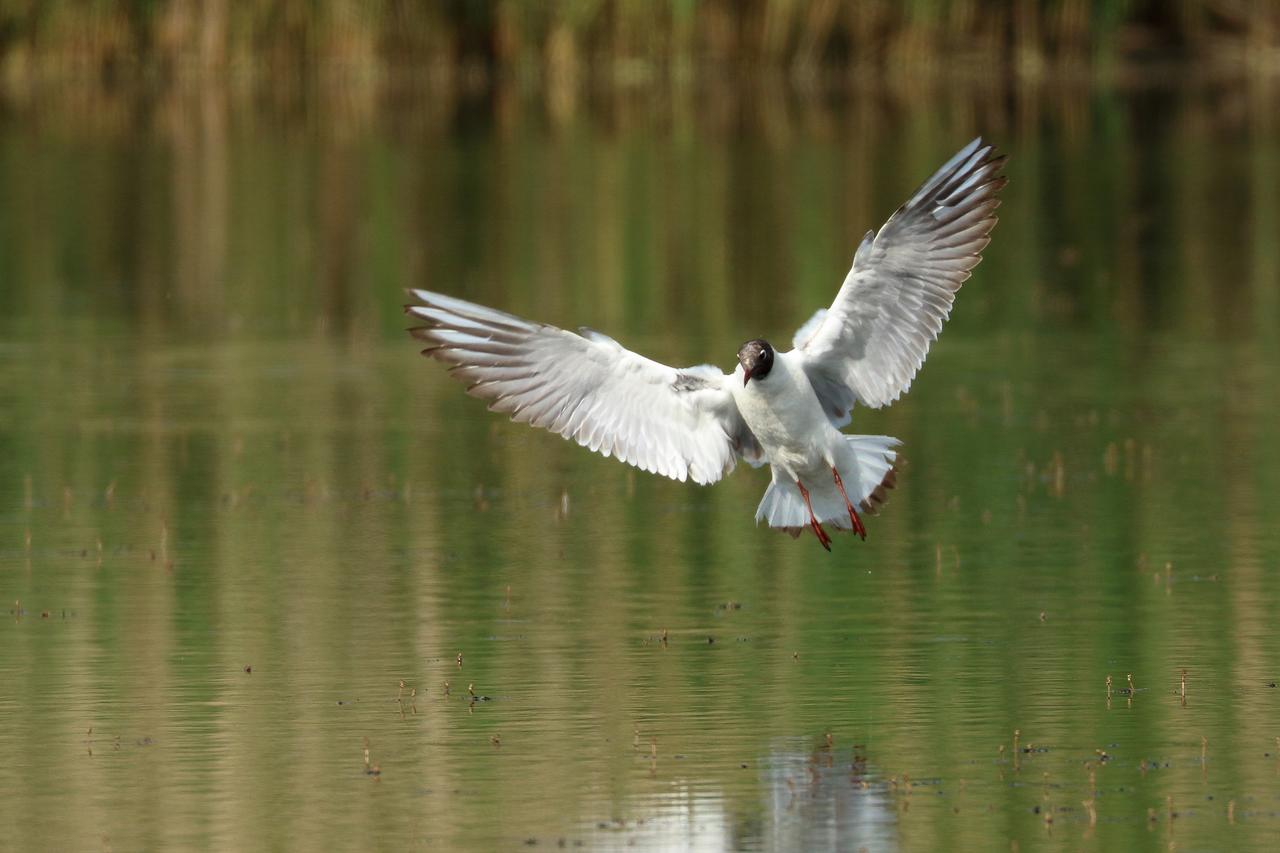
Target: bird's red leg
[
  {"x": 858, "y": 527},
  {"x": 823, "y": 538}
]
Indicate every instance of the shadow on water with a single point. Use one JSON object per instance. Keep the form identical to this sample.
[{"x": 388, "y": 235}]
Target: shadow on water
[{"x": 237, "y": 510}]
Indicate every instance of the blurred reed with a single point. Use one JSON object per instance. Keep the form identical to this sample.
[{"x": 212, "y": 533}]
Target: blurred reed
[{"x": 610, "y": 42}]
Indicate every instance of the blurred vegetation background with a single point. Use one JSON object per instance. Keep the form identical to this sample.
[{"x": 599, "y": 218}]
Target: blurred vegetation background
[{"x": 633, "y": 42}]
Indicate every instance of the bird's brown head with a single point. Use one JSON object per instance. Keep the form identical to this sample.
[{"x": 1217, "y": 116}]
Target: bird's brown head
[{"x": 756, "y": 358}]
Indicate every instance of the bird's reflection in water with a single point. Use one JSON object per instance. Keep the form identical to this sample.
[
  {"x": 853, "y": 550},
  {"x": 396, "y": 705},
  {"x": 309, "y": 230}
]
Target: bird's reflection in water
[
  {"x": 826, "y": 798},
  {"x": 800, "y": 798}
]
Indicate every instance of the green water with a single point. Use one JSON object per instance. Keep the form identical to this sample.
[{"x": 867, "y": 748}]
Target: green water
[{"x": 237, "y": 509}]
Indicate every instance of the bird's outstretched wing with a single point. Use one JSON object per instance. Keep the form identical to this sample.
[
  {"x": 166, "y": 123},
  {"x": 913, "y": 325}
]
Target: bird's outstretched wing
[
  {"x": 681, "y": 424},
  {"x": 867, "y": 347}
]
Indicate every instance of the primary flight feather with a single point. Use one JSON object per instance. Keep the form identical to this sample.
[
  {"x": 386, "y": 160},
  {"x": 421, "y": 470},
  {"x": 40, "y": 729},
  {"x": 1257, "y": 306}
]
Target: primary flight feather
[{"x": 783, "y": 408}]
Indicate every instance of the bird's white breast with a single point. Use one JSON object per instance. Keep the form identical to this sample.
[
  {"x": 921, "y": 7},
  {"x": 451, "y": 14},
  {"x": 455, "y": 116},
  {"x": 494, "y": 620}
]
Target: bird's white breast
[{"x": 784, "y": 413}]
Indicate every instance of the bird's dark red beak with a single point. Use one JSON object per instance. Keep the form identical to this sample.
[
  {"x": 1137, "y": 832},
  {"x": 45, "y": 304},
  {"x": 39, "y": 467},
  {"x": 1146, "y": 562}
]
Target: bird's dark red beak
[{"x": 746, "y": 377}]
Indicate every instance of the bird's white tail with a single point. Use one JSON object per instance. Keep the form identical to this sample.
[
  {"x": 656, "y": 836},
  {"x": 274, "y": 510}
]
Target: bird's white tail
[{"x": 868, "y": 469}]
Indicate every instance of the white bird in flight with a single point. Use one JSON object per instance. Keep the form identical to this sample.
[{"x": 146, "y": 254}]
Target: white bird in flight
[{"x": 783, "y": 408}]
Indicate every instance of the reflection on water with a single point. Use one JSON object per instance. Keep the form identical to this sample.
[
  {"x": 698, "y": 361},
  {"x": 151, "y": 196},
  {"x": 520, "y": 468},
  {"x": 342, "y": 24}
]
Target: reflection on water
[
  {"x": 813, "y": 803},
  {"x": 237, "y": 510},
  {"x": 808, "y": 801}
]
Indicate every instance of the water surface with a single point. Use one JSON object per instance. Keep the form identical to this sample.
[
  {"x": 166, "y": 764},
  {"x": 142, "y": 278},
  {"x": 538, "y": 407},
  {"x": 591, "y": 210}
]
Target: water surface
[{"x": 238, "y": 512}]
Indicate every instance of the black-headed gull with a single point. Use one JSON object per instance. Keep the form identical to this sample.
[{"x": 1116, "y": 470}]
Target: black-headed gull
[{"x": 783, "y": 408}]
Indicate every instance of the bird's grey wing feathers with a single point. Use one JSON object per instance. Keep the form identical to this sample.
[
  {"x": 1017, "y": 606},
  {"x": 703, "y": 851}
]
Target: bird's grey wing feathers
[
  {"x": 867, "y": 347},
  {"x": 682, "y": 424}
]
